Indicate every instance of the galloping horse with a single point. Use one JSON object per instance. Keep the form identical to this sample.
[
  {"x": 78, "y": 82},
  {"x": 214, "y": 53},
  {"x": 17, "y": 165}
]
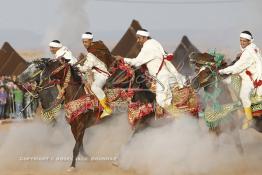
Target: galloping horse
[
  {"x": 215, "y": 96},
  {"x": 206, "y": 67},
  {"x": 54, "y": 73}
]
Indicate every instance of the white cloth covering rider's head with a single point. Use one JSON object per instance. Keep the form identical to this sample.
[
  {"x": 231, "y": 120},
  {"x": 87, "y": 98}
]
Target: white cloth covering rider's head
[
  {"x": 246, "y": 35},
  {"x": 143, "y": 32},
  {"x": 62, "y": 51},
  {"x": 56, "y": 44},
  {"x": 87, "y": 35}
]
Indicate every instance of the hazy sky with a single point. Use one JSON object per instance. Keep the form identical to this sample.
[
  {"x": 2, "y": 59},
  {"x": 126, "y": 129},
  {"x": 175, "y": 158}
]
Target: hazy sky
[{"x": 30, "y": 24}]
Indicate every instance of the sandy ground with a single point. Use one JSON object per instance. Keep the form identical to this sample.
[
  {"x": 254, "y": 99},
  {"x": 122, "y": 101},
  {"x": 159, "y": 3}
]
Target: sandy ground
[
  {"x": 39, "y": 167},
  {"x": 20, "y": 165}
]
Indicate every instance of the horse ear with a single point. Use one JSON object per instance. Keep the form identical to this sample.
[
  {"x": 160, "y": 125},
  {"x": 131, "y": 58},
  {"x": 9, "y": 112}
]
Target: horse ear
[
  {"x": 193, "y": 56},
  {"x": 45, "y": 59}
]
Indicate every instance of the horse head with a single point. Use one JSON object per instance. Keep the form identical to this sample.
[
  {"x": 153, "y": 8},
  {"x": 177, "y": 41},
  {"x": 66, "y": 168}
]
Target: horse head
[
  {"x": 206, "y": 67},
  {"x": 40, "y": 70},
  {"x": 33, "y": 71}
]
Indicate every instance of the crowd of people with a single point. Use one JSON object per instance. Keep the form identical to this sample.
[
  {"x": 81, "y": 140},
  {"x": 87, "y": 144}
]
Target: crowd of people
[{"x": 14, "y": 98}]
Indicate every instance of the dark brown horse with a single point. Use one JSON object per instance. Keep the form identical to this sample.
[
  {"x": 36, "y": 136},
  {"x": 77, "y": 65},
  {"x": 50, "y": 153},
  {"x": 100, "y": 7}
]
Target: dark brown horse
[{"x": 51, "y": 76}]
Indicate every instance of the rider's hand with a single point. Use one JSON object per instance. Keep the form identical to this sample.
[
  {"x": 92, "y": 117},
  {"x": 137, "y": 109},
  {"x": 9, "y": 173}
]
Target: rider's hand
[
  {"x": 81, "y": 56},
  {"x": 81, "y": 59},
  {"x": 222, "y": 71},
  {"x": 238, "y": 55},
  {"x": 118, "y": 58}
]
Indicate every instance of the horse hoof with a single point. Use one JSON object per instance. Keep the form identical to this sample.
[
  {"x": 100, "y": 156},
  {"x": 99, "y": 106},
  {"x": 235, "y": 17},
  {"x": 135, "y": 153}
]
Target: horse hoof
[
  {"x": 115, "y": 163},
  {"x": 71, "y": 169}
]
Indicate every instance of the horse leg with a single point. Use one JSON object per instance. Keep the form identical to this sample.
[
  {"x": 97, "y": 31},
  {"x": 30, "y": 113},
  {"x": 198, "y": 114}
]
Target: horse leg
[
  {"x": 82, "y": 151},
  {"x": 78, "y": 130}
]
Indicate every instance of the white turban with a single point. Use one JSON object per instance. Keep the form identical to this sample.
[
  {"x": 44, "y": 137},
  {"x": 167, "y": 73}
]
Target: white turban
[
  {"x": 246, "y": 36},
  {"x": 87, "y": 36},
  {"x": 55, "y": 44},
  {"x": 143, "y": 33}
]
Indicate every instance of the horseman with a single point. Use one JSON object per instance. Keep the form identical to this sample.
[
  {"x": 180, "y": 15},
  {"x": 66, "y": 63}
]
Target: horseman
[
  {"x": 153, "y": 56},
  {"x": 97, "y": 48},
  {"x": 99, "y": 72},
  {"x": 249, "y": 67},
  {"x": 61, "y": 52}
]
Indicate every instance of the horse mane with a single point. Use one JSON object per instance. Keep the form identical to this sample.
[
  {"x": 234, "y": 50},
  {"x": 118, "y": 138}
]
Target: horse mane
[
  {"x": 144, "y": 94},
  {"x": 75, "y": 73},
  {"x": 200, "y": 59},
  {"x": 49, "y": 62}
]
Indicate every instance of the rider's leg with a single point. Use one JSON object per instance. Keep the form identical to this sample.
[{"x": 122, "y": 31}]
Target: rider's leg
[
  {"x": 163, "y": 91},
  {"x": 99, "y": 82},
  {"x": 246, "y": 88},
  {"x": 259, "y": 91}
]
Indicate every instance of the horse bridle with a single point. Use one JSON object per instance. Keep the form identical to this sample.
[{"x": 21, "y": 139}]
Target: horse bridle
[{"x": 39, "y": 88}]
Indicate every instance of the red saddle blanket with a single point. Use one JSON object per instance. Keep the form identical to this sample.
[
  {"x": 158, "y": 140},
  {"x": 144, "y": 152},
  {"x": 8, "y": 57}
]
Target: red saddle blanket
[
  {"x": 137, "y": 111},
  {"x": 74, "y": 108}
]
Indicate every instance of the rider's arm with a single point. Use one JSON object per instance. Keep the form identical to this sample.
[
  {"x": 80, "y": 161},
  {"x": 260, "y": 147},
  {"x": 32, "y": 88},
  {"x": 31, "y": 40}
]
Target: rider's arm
[
  {"x": 245, "y": 61},
  {"x": 144, "y": 56},
  {"x": 88, "y": 64}
]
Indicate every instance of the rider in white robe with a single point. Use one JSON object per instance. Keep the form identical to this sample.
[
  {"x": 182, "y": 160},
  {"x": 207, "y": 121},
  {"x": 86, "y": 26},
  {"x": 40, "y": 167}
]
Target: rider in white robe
[
  {"x": 100, "y": 75},
  {"x": 249, "y": 67},
  {"x": 152, "y": 55}
]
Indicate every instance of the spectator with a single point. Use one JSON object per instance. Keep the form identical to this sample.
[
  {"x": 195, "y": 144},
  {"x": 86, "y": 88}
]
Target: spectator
[
  {"x": 10, "y": 108},
  {"x": 18, "y": 98},
  {"x": 3, "y": 98}
]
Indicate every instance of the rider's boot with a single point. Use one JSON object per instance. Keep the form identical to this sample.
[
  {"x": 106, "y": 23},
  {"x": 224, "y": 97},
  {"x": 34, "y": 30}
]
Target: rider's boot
[
  {"x": 248, "y": 118},
  {"x": 107, "y": 110}
]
